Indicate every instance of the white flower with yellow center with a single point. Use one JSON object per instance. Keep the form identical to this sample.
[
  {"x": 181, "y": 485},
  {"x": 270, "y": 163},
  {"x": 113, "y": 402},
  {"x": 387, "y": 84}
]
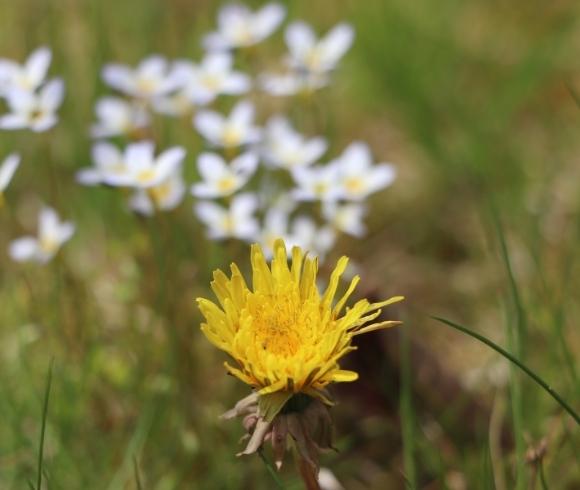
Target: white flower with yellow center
[
  {"x": 107, "y": 160},
  {"x": 221, "y": 179},
  {"x": 164, "y": 197},
  {"x": 304, "y": 233},
  {"x": 239, "y": 27},
  {"x": 151, "y": 78},
  {"x": 347, "y": 218},
  {"x": 202, "y": 83},
  {"x": 142, "y": 169},
  {"x": 275, "y": 224},
  {"x": 214, "y": 76},
  {"x": 316, "y": 183},
  {"x": 311, "y": 55},
  {"x": 116, "y": 116},
  {"x": 52, "y": 234},
  {"x": 292, "y": 83},
  {"x": 28, "y": 76},
  {"x": 286, "y": 148},
  {"x": 236, "y": 221},
  {"x": 229, "y": 132},
  {"x": 7, "y": 170},
  {"x": 358, "y": 177},
  {"x": 33, "y": 110},
  {"x": 310, "y": 60}
]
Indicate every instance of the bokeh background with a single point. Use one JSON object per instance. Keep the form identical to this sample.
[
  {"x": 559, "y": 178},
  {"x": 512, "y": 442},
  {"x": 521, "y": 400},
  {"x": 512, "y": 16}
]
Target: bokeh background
[{"x": 474, "y": 101}]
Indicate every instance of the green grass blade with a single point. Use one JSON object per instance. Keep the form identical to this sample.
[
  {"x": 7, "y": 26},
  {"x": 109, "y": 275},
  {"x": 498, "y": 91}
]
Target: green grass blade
[
  {"x": 43, "y": 427},
  {"x": 515, "y": 361},
  {"x": 137, "y": 476}
]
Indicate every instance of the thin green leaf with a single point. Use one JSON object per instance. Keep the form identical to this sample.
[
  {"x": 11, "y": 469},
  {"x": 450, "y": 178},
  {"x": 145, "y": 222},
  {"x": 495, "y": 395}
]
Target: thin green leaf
[
  {"x": 43, "y": 428},
  {"x": 515, "y": 361},
  {"x": 137, "y": 476}
]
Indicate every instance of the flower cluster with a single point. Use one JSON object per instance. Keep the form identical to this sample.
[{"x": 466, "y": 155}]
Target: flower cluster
[
  {"x": 32, "y": 101},
  {"x": 257, "y": 180}
]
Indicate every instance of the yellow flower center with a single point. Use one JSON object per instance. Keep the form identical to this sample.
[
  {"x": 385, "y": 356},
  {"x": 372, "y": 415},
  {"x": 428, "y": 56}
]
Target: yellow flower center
[
  {"x": 48, "y": 245},
  {"x": 277, "y": 325},
  {"x": 354, "y": 184},
  {"x": 145, "y": 176},
  {"x": 211, "y": 82},
  {"x": 231, "y": 136},
  {"x": 226, "y": 184},
  {"x": 320, "y": 188},
  {"x": 313, "y": 59},
  {"x": 146, "y": 85},
  {"x": 160, "y": 192}
]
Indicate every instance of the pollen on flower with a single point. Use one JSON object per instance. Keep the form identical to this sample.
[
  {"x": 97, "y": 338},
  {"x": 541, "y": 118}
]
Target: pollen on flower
[
  {"x": 160, "y": 192},
  {"x": 48, "y": 245},
  {"x": 354, "y": 184},
  {"x": 283, "y": 335},
  {"x": 231, "y": 136},
  {"x": 145, "y": 176},
  {"x": 320, "y": 188},
  {"x": 226, "y": 184}
]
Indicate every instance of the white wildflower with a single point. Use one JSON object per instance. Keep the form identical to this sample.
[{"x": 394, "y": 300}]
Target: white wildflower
[
  {"x": 116, "y": 116},
  {"x": 151, "y": 78},
  {"x": 237, "y": 221},
  {"x": 52, "y": 234},
  {"x": 316, "y": 183},
  {"x": 239, "y": 27},
  {"x": 163, "y": 197},
  {"x": 202, "y": 83},
  {"x": 285, "y": 148},
  {"x": 28, "y": 76},
  {"x": 347, "y": 218},
  {"x": 358, "y": 177},
  {"x": 310, "y": 55},
  {"x": 33, "y": 110},
  {"x": 305, "y": 234},
  {"x": 229, "y": 132},
  {"x": 107, "y": 160},
  {"x": 221, "y": 179},
  {"x": 142, "y": 170}
]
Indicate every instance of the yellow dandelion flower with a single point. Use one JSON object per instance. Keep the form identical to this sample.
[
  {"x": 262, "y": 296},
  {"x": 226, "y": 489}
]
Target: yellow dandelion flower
[{"x": 284, "y": 336}]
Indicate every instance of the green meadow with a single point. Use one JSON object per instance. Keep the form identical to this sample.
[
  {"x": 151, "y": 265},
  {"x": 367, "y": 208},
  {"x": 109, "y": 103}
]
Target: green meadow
[{"x": 107, "y": 382}]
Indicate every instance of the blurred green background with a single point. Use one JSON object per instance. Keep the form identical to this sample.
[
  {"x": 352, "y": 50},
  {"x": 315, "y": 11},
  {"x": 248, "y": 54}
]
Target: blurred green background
[{"x": 474, "y": 101}]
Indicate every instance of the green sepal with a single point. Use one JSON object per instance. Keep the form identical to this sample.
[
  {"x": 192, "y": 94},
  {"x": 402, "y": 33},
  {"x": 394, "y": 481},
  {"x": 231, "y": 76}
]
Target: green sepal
[{"x": 270, "y": 405}]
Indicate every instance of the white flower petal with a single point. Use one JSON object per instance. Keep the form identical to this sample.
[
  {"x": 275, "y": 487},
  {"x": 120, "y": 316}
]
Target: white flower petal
[
  {"x": 300, "y": 39},
  {"x": 209, "y": 124},
  {"x": 267, "y": 19},
  {"x": 23, "y": 249},
  {"x": 7, "y": 170},
  {"x": 118, "y": 76},
  {"x": 51, "y": 95},
  {"x": 168, "y": 161},
  {"x": 211, "y": 166},
  {"x": 37, "y": 66},
  {"x": 336, "y": 43}
]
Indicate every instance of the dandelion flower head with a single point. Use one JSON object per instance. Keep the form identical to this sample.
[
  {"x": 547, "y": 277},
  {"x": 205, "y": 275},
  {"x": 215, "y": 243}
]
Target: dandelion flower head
[{"x": 284, "y": 336}]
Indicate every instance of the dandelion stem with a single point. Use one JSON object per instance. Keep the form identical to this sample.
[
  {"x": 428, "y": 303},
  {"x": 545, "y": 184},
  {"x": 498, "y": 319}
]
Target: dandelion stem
[
  {"x": 515, "y": 361},
  {"x": 271, "y": 469}
]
